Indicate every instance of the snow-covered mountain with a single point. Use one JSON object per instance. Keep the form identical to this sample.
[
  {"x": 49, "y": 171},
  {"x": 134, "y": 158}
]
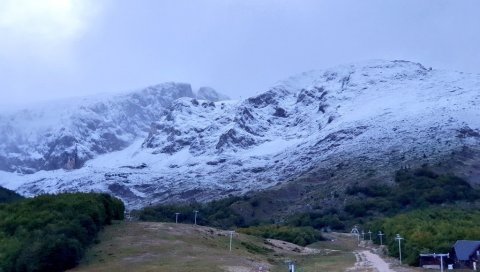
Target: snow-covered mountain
[
  {"x": 378, "y": 115},
  {"x": 65, "y": 134},
  {"x": 68, "y": 133}
]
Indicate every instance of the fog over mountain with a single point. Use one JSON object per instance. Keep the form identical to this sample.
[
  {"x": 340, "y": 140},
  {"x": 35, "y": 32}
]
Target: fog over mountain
[{"x": 70, "y": 48}]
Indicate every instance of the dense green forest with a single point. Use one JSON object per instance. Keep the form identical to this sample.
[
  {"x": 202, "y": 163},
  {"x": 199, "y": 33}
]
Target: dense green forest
[
  {"x": 51, "y": 232},
  {"x": 7, "y": 196},
  {"x": 428, "y": 230}
]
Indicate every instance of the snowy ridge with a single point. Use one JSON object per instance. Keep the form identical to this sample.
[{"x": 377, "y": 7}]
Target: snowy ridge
[
  {"x": 67, "y": 133},
  {"x": 384, "y": 114}
]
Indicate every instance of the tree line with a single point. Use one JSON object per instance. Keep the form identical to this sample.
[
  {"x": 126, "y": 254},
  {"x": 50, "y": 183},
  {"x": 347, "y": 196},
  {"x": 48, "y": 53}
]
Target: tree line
[{"x": 52, "y": 232}]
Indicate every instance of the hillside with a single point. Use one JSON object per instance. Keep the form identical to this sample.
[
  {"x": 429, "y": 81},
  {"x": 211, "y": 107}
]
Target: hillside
[
  {"x": 151, "y": 246},
  {"x": 307, "y": 137},
  {"x": 65, "y": 134},
  {"x": 7, "y": 196}
]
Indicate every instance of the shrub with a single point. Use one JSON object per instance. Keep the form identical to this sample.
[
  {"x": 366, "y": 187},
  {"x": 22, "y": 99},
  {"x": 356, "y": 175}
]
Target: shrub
[
  {"x": 252, "y": 248},
  {"x": 297, "y": 235}
]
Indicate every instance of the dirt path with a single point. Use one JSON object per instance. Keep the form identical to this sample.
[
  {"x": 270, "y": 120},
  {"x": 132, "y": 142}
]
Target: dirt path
[{"x": 370, "y": 262}]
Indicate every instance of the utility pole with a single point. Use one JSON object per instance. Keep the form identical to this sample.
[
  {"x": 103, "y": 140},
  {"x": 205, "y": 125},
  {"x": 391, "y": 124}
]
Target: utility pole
[
  {"x": 196, "y": 212},
  {"x": 176, "y": 217},
  {"x": 399, "y": 238},
  {"x": 381, "y": 234},
  {"x": 370, "y": 233},
  {"x": 291, "y": 265},
  {"x": 231, "y": 237}
]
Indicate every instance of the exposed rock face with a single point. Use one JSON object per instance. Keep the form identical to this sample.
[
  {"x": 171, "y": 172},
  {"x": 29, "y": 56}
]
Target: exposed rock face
[{"x": 333, "y": 125}]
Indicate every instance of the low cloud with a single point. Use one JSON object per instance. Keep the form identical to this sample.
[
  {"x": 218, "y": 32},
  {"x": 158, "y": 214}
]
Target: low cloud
[{"x": 43, "y": 28}]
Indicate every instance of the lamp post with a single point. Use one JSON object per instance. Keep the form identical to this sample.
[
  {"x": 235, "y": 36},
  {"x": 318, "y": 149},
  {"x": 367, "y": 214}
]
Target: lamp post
[
  {"x": 176, "y": 217},
  {"x": 196, "y": 212},
  {"x": 381, "y": 235},
  {"x": 399, "y": 238}
]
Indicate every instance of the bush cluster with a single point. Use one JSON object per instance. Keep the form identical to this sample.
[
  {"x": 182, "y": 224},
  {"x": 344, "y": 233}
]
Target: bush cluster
[
  {"x": 298, "y": 235},
  {"x": 51, "y": 232},
  {"x": 418, "y": 188},
  {"x": 252, "y": 248},
  {"x": 413, "y": 189},
  {"x": 328, "y": 220}
]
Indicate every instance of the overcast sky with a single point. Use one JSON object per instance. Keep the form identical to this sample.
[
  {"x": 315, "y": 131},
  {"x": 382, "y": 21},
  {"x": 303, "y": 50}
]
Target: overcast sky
[{"x": 62, "y": 48}]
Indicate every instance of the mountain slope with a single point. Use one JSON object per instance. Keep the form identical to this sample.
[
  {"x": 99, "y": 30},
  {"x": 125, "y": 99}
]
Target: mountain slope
[
  {"x": 151, "y": 246},
  {"x": 335, "y": 124},
  {"x": 68, "y": 133}
]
